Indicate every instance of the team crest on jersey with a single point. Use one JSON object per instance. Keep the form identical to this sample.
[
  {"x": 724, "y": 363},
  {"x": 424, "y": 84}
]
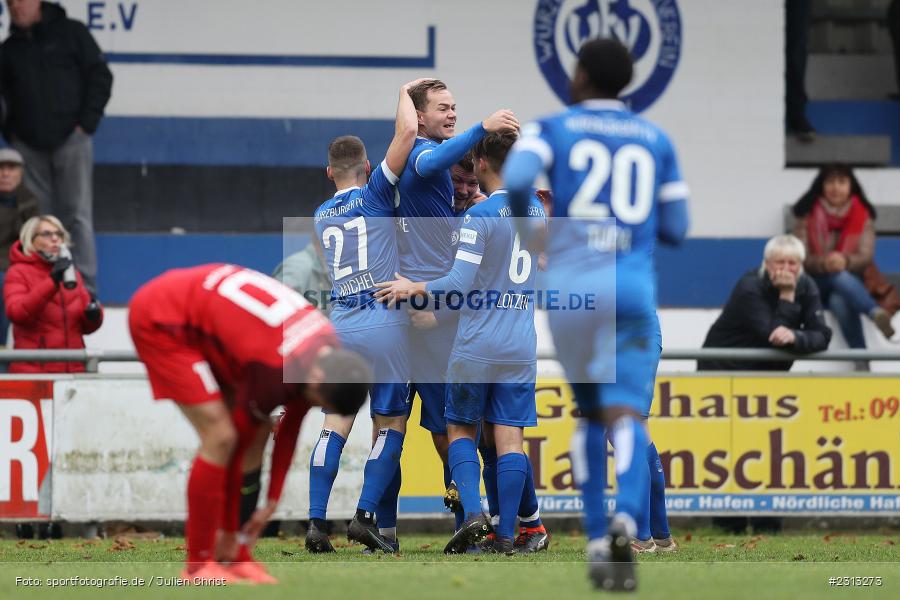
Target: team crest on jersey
[
  {"x": 651, "y": 29},
  {"x": 454, "y": 238}
]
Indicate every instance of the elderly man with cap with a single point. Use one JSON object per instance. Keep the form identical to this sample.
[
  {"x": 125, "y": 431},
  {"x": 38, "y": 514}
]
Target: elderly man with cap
[{"x": 17, "y": 205}]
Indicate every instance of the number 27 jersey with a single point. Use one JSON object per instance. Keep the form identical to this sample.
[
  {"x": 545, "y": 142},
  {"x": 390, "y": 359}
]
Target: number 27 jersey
[{"x": 356, "y": 230}]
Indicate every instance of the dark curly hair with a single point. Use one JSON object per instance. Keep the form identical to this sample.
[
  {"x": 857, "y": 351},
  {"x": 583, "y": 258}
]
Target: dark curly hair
[{"x": 805, "y": 204}]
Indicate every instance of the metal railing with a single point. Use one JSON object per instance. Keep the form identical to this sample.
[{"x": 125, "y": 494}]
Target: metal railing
[{"x": 92, "y": 358}]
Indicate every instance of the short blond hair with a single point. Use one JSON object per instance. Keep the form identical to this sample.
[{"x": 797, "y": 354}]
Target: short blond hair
[
  {"x": 784, "y": 245},
  {"x": 29, "y": 230}
]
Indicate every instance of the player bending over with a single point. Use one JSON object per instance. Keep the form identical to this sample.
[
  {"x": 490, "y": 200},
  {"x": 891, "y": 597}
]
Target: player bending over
[{"x": 229, "y": 345}]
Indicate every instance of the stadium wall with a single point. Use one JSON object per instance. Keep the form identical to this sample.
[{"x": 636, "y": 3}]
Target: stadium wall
[
  {"x": 98, "y": 448},
  {"x": 220, "y": 103}
]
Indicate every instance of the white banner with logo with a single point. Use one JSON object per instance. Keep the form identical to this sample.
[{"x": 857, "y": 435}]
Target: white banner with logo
[{"x": 710, "y": 72}]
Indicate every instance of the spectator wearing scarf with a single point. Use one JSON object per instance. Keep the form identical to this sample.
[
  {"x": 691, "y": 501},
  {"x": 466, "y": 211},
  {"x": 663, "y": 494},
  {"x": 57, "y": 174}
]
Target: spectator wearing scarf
[{"x": 835, "y": 222}]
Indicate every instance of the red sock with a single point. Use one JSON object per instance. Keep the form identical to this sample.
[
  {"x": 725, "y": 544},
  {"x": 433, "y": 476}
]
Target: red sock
[
  {"x": 206, "y": 503},
  {"x": 243, "y": 554}
]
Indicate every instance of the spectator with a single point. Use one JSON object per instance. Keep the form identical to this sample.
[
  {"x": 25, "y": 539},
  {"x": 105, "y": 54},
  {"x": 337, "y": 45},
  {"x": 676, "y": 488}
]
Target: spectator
[
  {"x": 306, "y": 274},
  {"x": 17, "y": 205},
  {"x": 56, "y": 84},
  {"x": 775, "y": 306},
  {"x": 44, "y": 313},
  {"x": 835, "y": 221}
]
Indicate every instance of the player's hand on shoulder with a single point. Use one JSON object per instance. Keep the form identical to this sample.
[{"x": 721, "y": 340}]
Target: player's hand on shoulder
[
  {"x": 422, "y": 319},
  {"x": 502, "y": 120}
]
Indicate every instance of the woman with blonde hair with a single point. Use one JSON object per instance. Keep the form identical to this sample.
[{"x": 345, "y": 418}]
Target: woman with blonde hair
[{"x": 47, "y": 313}]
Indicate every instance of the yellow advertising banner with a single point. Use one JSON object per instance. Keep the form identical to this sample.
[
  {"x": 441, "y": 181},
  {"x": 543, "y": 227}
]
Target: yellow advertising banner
[{"x": 767, "y": 444}]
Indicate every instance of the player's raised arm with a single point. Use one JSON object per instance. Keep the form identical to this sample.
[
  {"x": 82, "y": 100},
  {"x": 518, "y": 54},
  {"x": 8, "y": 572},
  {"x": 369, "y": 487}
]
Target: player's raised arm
[
  {"x": 530, "y": 156},
  {"x": 452, "y": 150},
  {"x": 405, "y": 129}
]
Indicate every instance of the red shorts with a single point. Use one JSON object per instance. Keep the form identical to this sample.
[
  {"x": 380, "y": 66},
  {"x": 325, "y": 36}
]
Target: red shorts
[{"x": 177, "y": 371}]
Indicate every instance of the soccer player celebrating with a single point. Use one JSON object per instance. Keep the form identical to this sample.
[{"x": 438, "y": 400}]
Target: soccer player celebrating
[
  {"x": 616, "y": 177},
  {"x": 466, "y": 192},
  {"x": 229, "y": 345},
  {"x": 493, "y": 361},
  {"x": 357, "y": 232},
  {"x": 427, "y": 226}
]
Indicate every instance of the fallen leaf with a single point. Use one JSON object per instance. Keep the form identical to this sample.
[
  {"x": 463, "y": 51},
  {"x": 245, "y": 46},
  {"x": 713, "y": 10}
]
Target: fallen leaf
[
  {"x": 37, "y": 546},
  {"x": 799, "y": 557},
  {"x": 181, "y": 548},
  {"x": 424, "y": 546},
  {"x": 688, "y": 537},
  {"x": 87, "y": 557},
  {"x": 750, "y": 545},
  {"x": 21, "y": 543},
  {"x": 888, "y": 543},
  {"x": 121, "y": 544},
  {"x": 826, "y": 539},
  {"x": 723, "y": 546}
]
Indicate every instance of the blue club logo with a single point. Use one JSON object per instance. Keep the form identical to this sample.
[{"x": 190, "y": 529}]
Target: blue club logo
[{"x": 651, "y": 29}]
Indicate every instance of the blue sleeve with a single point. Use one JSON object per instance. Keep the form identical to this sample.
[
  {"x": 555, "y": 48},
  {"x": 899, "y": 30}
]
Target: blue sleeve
[
  {"x": 673, "y": 220},
  {"x": 381, "y": 188},
  {"x": 448, "y": 153},
  {"x": 472, "y": 241},
  {"x": 530, "y": 156},
  {"x": 460, "y": 278},
  {"x": 519, "y": 172}
]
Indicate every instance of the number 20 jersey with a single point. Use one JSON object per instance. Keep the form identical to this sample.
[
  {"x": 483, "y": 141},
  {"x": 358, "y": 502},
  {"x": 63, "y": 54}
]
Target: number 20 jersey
[{"x": 609, "y": 169}]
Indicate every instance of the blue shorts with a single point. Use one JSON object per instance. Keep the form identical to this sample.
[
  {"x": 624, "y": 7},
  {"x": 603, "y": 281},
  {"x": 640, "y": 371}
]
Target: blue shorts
[
  {"x": 429, "y": 357},
  {"x": 502, "y": 394},
  {"x": 387, "y": 351},
  {"x": 604, "y": 367}
]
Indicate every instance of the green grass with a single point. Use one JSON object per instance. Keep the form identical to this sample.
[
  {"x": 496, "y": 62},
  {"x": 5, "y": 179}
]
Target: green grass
[{"x": 708, "y": 565}]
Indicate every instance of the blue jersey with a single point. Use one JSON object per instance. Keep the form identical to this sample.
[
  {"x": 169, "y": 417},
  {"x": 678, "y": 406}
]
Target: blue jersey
[
  {"x": 496, "y": 276},
  {"x": 613, "y": 174},
  {"x": 357, "y": 233},
  {"x": 426, "y": 222}
]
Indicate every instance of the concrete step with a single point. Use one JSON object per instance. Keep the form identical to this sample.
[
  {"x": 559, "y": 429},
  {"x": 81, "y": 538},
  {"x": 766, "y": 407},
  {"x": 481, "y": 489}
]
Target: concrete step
[
  {"x": 868, "y": 150},
  {"x": 850, "y": 76}
]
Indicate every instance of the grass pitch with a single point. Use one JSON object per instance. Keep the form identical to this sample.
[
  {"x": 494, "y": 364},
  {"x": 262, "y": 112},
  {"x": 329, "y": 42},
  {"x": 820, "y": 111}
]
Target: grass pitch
[{"x": 708, "y": 565}]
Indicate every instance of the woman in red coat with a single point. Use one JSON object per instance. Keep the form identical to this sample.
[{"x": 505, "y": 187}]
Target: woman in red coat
[{"x": 45, "y": 313}]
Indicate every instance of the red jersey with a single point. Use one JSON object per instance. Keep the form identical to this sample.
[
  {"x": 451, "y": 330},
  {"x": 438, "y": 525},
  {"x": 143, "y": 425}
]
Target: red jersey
[{"x": 223, "y": 327}]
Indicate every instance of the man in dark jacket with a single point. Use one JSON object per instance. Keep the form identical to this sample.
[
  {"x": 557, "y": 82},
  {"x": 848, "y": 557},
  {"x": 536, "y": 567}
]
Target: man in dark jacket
[
  {"x": 776, "y": 306},
  {"x": 56, "y": 84},
  {"x": 17, "y": 205}
]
